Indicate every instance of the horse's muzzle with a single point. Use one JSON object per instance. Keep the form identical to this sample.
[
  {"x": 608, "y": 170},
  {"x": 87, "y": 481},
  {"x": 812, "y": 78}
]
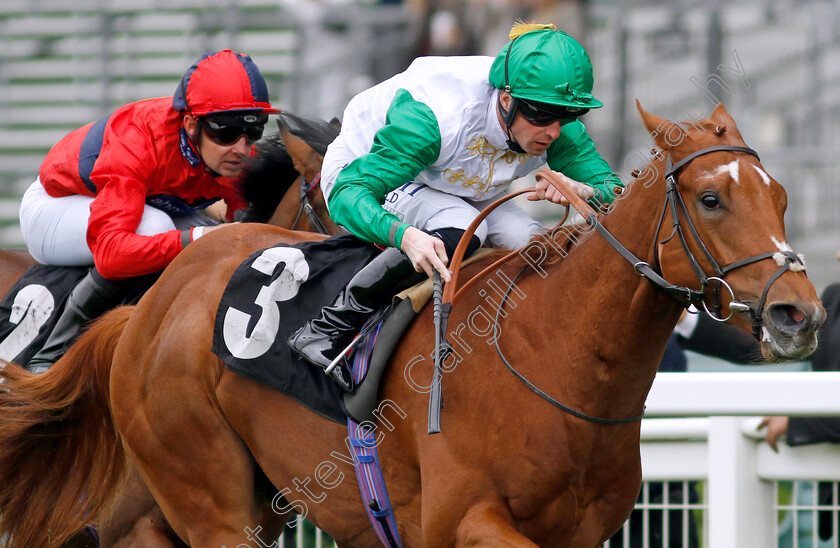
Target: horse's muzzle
[{"x": 789, "y": 331}]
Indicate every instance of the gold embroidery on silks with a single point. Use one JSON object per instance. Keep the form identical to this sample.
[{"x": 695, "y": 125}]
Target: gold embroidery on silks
[{"x": 481, "y": 147}]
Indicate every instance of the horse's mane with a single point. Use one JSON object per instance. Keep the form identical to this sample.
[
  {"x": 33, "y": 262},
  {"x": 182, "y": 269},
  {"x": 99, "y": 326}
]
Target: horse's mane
[
  {"x": 270, "y": 172},
  {"x": 266, "y": 178},
  {"x": 564, "y": 237}
]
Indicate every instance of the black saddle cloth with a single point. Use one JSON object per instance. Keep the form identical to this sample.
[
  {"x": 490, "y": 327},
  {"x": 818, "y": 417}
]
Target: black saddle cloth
[
  {"x": 31, "y": 308},
  {"x": 272, "y": 294},
  {"x": 33, "y": 305}
]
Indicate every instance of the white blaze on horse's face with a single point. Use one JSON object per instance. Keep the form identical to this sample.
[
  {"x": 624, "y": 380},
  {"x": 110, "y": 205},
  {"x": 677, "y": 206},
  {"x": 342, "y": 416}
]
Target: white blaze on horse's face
[
  {"x": 763, "y": 174},
  {"x": 732, "y": 169},
  {"x": 783, "y": 246}
]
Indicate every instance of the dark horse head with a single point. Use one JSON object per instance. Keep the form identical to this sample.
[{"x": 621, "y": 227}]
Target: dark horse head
[{"x": 271, "y": 173}]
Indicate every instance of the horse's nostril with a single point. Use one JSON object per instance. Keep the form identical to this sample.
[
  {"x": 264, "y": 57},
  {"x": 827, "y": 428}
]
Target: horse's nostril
[{"x": 786, "y": 316}]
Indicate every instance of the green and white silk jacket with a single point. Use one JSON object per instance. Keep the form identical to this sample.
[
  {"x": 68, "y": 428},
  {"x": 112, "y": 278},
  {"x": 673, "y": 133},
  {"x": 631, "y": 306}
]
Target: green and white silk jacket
[{"x": 436, "y": 124}]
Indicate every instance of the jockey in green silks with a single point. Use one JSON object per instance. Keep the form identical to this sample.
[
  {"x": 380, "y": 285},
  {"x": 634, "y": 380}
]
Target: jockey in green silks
[{"x": 422, "y": 153}]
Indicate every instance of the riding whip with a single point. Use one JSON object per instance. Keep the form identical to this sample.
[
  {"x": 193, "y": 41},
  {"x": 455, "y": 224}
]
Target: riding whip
[{"x": 435, "y": 396}]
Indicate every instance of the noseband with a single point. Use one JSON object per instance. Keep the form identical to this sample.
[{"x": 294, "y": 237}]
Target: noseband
[
  {"x": 787, "y": 260},
  {"x": 306, "y": 207}
]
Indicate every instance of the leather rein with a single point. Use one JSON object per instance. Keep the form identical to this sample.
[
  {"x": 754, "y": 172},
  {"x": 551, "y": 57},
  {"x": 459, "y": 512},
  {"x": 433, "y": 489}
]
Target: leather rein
[
  {"x": 685, "y": 296},
  {"x": 306, "y": 206}
]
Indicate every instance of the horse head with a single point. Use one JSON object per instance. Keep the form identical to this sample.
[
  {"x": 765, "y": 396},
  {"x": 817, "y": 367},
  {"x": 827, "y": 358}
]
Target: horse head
[
  {"x": 280, "y": 181},
  {"x": 306, "y": 143},
  {"x": 722, "y": 232}
]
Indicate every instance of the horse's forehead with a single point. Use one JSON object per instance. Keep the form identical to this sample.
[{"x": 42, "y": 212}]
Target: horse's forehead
[{"x": 734, "y": 170}]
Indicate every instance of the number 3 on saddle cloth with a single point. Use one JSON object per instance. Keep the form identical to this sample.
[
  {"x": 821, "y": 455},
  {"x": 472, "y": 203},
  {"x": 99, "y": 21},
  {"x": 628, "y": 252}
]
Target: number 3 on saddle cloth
[
  {"x": 269, "y": 296},
  {"x": 33, "y": 305}
]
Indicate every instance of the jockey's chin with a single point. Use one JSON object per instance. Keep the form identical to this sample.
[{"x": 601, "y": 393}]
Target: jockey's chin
[{"x": 536, "y": 148}]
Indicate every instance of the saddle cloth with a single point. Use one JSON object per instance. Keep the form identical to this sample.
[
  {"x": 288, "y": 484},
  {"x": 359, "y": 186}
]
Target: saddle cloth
[
  {"x": 33, "y": 305},
  {"x": 275, "y": 291},
  {"x": 31, "y": 308},
  {"x": 272, "y": 294}
]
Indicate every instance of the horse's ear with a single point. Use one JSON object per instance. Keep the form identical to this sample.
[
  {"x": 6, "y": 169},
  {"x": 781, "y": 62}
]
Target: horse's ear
[
  {"x": 336, "y": 123},
  {"x": 666, "y": 134},
  {"x": 722, "y": 117},
  {"x": 304, "y": 157}
]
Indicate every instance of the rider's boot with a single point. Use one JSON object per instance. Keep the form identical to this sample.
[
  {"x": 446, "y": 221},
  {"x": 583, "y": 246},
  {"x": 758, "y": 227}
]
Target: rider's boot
[
  {"x": 322, "y": 339},
  {"x": 92, "y": 296}
]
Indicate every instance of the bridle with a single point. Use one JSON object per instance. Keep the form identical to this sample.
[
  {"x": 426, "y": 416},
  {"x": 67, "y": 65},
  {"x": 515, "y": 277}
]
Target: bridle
[
  {"x": 786, "y": 259},
  {"x": 306, "y": 206},
  {"x": 685, "y": 296}
]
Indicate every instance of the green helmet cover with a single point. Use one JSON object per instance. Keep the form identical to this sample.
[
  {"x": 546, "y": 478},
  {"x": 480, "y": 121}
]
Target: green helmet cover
[{"x": 546, "y": 66}]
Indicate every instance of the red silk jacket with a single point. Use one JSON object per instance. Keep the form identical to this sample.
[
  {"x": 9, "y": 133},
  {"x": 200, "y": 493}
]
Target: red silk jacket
[{"x": 139, "y": 154}]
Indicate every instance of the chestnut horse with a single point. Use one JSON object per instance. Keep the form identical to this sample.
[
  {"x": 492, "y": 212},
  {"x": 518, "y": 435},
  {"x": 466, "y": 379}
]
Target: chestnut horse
[
  {"x": 306, "y": 143},
  {"x": 508, "y": 469},
  {"x": 15, "y": 262},
  {"x": 298, "y": 147}
]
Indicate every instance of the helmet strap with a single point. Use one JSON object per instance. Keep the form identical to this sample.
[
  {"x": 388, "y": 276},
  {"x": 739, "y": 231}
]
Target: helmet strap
[
  {"x": 194, "y": 140},
  {"x": 510, "y": 114},
  {"x": 507, "y": 117}
]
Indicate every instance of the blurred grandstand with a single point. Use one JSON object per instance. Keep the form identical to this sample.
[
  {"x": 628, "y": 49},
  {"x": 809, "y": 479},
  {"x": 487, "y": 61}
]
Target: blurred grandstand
[
  {"x": 774, "y": 63},
  {"x": 64, "y": 64}
]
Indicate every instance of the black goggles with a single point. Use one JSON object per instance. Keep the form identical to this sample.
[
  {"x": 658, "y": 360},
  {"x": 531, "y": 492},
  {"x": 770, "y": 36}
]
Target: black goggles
[
  {"x": 227, "y": 131},
  {"x": 538, "y": 116}
]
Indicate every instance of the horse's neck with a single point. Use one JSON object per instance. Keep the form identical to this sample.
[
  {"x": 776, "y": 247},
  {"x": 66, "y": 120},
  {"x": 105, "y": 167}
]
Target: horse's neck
[
  {"x": 287, "y": 212},
  {"x": 619, "y": 320},
  {"x": 634, "y": 224}
]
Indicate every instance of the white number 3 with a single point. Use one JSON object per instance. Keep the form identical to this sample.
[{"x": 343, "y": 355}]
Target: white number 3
[{"x": 285, "y": 287}]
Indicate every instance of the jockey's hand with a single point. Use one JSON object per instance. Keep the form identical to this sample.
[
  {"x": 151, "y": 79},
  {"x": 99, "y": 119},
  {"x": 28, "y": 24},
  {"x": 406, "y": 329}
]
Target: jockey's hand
[
  {"x": 215, "y": 227},
  {"x": 200, "y": 231},
  {"x": 547, "y": 191},
  {"x": 426, "y": 252},
  {"x": 776, "y": 428}
]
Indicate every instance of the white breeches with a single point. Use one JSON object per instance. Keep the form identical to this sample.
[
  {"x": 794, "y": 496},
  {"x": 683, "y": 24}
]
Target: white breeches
[
  {"x": 507, "y": 226},
  {"x": 55, "y": 229}
]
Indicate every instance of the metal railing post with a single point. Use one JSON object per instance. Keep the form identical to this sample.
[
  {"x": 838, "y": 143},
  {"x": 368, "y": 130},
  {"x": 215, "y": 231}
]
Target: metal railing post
[{"x": 740, "y": 503}]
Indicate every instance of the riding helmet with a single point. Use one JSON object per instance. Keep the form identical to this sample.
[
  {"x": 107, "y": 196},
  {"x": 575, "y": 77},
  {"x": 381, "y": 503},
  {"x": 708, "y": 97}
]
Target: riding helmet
[
  {"x": 546, "y": 66},
  {"x": 223, "y": 82}
]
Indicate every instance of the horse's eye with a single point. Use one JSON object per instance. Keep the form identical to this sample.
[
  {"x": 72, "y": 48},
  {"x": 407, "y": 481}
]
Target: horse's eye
[{"x": 710, "y": 201}]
